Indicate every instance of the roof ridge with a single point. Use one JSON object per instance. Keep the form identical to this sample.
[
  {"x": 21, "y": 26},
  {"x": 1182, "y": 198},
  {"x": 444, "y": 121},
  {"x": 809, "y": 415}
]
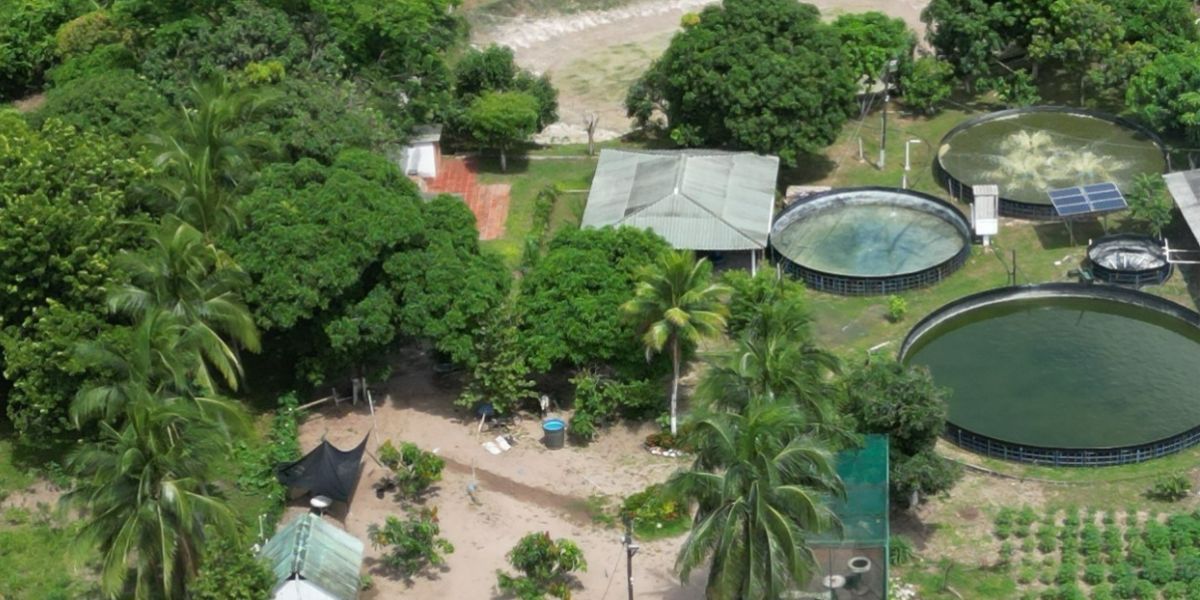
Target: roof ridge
[{"x": 715, "y": 215}]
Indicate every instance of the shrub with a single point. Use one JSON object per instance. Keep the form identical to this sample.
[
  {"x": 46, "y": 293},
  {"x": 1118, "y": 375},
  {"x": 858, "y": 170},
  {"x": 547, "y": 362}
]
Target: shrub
[
  {"x": 1175, "y": 590},
  {"x": 1160, "y": 569},
  {"x": 256, "y": 462},
  {"x": 231, "y": 571},
  {"x": 1069, "y": 591},
  {"x": 1093, "y": 573},
  {"x": 897, "y": 308},
  {"x": 83, "y": 33},
  {"x": 900, "y": 550},
  {"x": 543, "y": 208},
  {"x": 1145, "y": 590},
  {"x": 415, "y": 469},
  {"x": 412, "y": 544},
  {"x": 655, "y": 512},
  {"x": 1068, "y": 572},
  {"x": 1026, "y": 575},
  {"x": 1170, "y": 489},
  {"x": 1006, "y": 554},
  {"x": 600, "y": 400},
  {"x": 546, "y": 567},
  {"x": 1103, "y": 591}
]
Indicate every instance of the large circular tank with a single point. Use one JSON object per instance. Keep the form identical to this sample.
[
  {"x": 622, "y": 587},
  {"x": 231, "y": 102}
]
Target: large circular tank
[
  {"x": 1065, "y": 374},
  {"x": 1129, "y": 259},
  {"x": 1029, "y": 151},
  {"x": 871, "y": 240}
]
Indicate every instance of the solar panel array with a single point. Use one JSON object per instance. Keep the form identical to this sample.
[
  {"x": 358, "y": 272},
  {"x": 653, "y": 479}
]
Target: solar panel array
[{"x": 1087, "y": 199}]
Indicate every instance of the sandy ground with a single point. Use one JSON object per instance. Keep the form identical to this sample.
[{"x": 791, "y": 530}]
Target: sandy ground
[
  {"x": 526, "y": 489},
  {"x": 593, "y": 56}
]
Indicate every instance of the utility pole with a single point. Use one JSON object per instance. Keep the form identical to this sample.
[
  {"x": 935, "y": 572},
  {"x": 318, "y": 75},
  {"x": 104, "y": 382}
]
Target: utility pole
[
  {"x": 887, "y": 96},
  {"x": 631, "y": 548}
]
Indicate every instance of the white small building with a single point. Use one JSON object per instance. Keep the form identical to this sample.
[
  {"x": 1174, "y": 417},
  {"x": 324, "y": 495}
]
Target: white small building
[
  {"x": 423, "y": 154},
  {"x": 314, "y": 560}
]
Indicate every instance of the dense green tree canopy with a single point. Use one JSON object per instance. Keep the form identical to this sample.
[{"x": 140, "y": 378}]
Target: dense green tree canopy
[
  {"x": 885, "y": 396},
  {"x": 569, "y": 305},
  {"x": 871, "y": 39},
  {"x": 115, "y": 102},
  {"x": 27, "y": 44},
  {"x": 346, "y": 259},
  {"x": 502, "y": 119},
  {"x": 493, "y": 69},
  {"x": 761, "y": 75},
  {"x": 1166, "y": 92}
]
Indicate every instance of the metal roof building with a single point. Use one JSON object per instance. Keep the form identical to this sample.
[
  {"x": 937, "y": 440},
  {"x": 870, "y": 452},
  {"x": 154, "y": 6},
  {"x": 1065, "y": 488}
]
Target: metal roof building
[
  {"x": 695, "y": 199},
  {"x": 313, "y": 560},
  {"x": 1184, "y": 187}
]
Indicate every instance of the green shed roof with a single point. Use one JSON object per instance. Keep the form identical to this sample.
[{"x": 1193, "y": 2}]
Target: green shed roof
[
  {"x": 695, "y": 199},
  {"x": 864, "y": 511},
  {"x": 318, "y": 552}
]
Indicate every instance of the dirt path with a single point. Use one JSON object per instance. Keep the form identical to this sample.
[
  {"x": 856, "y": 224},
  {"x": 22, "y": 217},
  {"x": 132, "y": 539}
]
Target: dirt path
[{"x": 593, "y": 56}]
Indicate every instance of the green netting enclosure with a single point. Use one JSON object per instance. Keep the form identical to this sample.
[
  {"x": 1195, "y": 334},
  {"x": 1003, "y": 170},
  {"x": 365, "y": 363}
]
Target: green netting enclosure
[{"x": 852, "y": 563}]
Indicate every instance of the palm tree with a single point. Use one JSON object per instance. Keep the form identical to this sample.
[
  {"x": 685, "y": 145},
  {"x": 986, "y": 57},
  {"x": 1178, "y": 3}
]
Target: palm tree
[
  {"x": 676, "y": 303},
  {"x": 206, "y": 154},
  {"x": 197, "y": 284},
  {"x": 760, "y": 489},
  {"x": 775, "y": 357},
  {"x": 162, "y": 361},
  {"x": 143, "y": 488}
]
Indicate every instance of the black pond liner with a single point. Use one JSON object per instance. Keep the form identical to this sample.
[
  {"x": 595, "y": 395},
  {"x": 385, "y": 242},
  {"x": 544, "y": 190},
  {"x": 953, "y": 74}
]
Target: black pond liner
[
  {"x": 1129, "y": 259},
  {"x": 853, "y": 285},
  {"x": 1008, "y": 206},
  {"x": 1055, "y": 456}
]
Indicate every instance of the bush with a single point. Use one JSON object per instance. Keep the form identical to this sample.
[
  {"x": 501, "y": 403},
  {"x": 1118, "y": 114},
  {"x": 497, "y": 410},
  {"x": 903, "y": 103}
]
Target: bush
[
  {"x": 84, "y": 33},
  {"x": 412, "y": 544},
  {"x": 1170, "y": 489},
  {"x": 257, "y": 461},
  {"x": 929, "y": 83},
  {"x": 897, "y": 308},
  {"x": 546, "y": 567},
  {"x": 109, "y": 57},
  {"x": 543, "y": 208},
  {"x": 1026, "y": 575},
  {"x": 600, "y": 400},
  {"x": 655, "y": 512},
  {"x": 1176, "y": 590},
  {"x": 900, "y": 550},
  {"x": 415, "y": 469},
  {"x": 1093, "y": 574},
  {"x": 117, "y": 103},
  {"x": 231, "y": 571}
]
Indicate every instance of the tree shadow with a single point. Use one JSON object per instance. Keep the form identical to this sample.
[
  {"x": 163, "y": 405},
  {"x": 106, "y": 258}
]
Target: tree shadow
[
  {"x": 809, "y": 168},
  {"x": 910, "y": 525},
  {"x": 378, "y": 568},
  {"x": 489, "y": 163}
]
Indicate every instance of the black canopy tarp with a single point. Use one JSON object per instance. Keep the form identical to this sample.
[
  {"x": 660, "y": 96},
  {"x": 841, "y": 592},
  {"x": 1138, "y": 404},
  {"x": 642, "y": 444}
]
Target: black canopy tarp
[{"x": 326, "y": 471}]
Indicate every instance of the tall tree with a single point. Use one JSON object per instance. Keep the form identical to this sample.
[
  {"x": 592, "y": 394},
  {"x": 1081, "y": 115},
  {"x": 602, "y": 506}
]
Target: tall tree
[
  {"x": 676, "y": 303},
  {"x": 968, "y": 34},
  {"x": 871, "y": 39},
  {"x": 1077, "y": 34},
  {"x": 206, "y": 155},
  {"x": 885, "y": 396},
  {"x": 761, "y": 75},
  {"x": 759, "y": 489},
  {"x": 1164, "y": 92},
  {"x": 149, "y": 507},
  {"x": 501, "y": 119},
  {"x": 196, "y": 283}
]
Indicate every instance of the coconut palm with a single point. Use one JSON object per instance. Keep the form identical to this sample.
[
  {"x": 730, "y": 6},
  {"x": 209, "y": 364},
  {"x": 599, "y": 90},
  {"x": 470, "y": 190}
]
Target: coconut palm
[
  {"x": 162, "y": 360},
  {"x": 205, "y": 154},
  {"x": 760, "y": 489},
  {"x": 182, "y": 275},
  {"x": 774, "y": 356},
  {"x": 144, "y": 493},
  {"x": 676, "y": 303}
]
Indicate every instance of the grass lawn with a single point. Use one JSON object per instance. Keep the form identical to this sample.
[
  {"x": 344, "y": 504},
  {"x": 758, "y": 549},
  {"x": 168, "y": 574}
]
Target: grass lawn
[{"x": 528, "y": 176}]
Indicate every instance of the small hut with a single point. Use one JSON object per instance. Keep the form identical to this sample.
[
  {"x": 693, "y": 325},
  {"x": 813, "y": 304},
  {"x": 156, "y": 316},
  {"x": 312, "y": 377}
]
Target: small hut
[{"x": 313, "y": 560}]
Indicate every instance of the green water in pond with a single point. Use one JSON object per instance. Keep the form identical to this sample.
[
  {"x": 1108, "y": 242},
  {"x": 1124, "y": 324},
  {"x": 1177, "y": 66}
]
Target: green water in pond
[
  {"x": 1066, "y": 372},
  {"x": 869, "y": 240},
  {"x": 1029, "y": 154}
]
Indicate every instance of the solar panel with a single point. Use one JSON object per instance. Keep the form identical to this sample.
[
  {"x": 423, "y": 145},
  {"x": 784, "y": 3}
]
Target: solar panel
[{"x": 1087, "y": 199}]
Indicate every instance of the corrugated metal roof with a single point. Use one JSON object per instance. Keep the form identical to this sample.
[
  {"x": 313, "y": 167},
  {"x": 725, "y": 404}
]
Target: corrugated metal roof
[
  {"x": 318, "y": 552},
  {"x": 695, "y": 199},
  {"x": 1184, "y": 187}
]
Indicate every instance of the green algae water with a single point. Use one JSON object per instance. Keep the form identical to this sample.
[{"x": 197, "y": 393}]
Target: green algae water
[
  {"x": 869, "y": 233},
  {"x": 1030, "y": 153},
  {"x": 1066, "y": 372}
]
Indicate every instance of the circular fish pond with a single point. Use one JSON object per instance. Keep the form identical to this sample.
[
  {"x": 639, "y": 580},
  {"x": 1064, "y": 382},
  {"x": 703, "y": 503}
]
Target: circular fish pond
[
  {"x": 1129, "y": 259},
  {"x": 1029, "y": 151},
  {"x": 873, "y": 240},
  {"x": 1065, "y": 374}
]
